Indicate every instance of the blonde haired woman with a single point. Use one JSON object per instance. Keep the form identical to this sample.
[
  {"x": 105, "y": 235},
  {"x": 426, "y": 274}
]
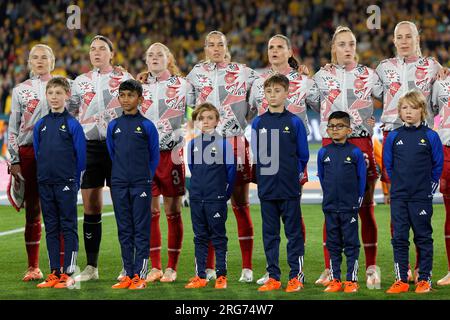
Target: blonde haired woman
[
  {"x": 348, "y": 86},
  {"x": 167, "y": 97},
  {"x": 28, "y": 106},
  {"x": 226, "y": 85},
  {"x": 408, "y": 70}
]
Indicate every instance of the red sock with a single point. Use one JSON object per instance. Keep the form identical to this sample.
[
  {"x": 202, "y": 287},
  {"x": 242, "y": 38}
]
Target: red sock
[
  {"x": 61, "y": 250},
  {"x": 245, "y": 234},
  {"x": 210, "y": 257},
  {"x": 326, "y": 254},
  {"x": 447, "y": 227},
  {"x": 32, "y": 240},
  {"x": 175, "y": 231},
  {"x": 303, "y": 231},
  {"x": 155, "y": 241},
  {"x": 369, "y": 234}
]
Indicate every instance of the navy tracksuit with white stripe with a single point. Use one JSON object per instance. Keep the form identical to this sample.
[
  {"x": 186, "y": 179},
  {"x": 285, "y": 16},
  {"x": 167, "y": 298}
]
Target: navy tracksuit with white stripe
[
  {"x": 280, "y": 148},
  {"x": 413, "y": 158},
  {"x": 213, "y": 171},
  {"x": 342, "y": 173},
  {"x": 60, "y": 150},
  {"x": 133, "y": 146}
]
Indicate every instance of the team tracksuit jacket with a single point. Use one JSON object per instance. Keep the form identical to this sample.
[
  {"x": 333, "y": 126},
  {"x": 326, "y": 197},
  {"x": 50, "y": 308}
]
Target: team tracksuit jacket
[
  {"x": 213, "y": 169},
  {"x": 133, "y": 145},
  {"x": 280, "y": 147},
  {"x": 342, "y": 173},
  {"x": 413, "y": 158},
  {"x": 60, "y": 151}
]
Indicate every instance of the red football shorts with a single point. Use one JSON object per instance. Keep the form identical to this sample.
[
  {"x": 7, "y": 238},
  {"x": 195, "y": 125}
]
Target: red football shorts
[
  {"x": 241, "y": 149},
  {"x": 169, "y": 176},
  {"x": 445, "y": 177}
]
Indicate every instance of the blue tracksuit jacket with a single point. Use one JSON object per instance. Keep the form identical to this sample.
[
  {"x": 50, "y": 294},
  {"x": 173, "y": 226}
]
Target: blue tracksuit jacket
[
  {"x": 60, "y": 149},
  {"x": 137, "y": 137},
  {"x": 212, "y": 166},
  {"x": 413, "y": 158},
  {"x": 280, "y": 148},
  {"x": 342, "y": 174}
]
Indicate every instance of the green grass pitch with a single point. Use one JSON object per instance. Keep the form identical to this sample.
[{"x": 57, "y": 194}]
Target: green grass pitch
[{"x": 13, "y": 263}]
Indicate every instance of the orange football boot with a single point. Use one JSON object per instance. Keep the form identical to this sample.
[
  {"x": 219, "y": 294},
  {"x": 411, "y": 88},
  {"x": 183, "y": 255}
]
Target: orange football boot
[
  {"x": 65, "y": 281},
  {"x": 398, "y": 287},
  {"x": 270, "y": 285},
  {"x": 294, "y": 285},
  {"x": 351, "y": 287},
  {"x": 196, "y": 283},
  {"x": 221, "y": 282},
  {"x": 123, "y": 284},
  {"x": 423, "y": 287},
  {"x": 137, "y": 283},
  {"x": 50, "y": 282},
  {"x": 335, "y": 285}
]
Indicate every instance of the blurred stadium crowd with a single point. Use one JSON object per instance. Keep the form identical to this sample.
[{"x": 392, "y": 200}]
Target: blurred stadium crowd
[{"x": 182, "y": 25}]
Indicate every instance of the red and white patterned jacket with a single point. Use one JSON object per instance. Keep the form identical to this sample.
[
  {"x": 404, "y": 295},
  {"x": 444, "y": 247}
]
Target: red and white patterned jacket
[
  {"x": 345, "y": 90},
  {"x": 165, "y": 101},
  {"x": 400, "y": 75},
  {"x": 227, "y": 87},
  {"x": 299, "y": 87},
  {"x": 94, "y": 101}
]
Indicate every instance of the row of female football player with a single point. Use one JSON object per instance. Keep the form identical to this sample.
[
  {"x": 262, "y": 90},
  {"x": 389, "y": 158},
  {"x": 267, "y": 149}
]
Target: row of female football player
[{"x": 237, "y": 91}]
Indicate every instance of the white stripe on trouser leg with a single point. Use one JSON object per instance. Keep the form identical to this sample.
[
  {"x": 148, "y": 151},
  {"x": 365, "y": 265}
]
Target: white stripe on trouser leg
[
  {"x": 245, "y": 238},
  {"x": 355, "y": 271},
  {"x": 226, "y": 260},
  {"x": 196, "y": 266},
  {"x": 173, "y": 250},
  {"x": 397, "y": 271},
  {"x": 331, "y": 270},
  {"x": 143, "y": 272},
  {"x": 370, "y": 244},
  {"x": 71, "y": 267},
  {"x": 155, "y": 248},
  {"x": 300, "y": 275}
]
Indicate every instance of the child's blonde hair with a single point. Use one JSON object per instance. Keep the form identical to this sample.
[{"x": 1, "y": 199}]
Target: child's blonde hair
[
  {"x": 415, "y": 98},
  {"x": 204, "y": 107}
]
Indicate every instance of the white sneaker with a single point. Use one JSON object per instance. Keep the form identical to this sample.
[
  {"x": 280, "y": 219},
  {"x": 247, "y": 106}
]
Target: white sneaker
[
  {"x": 263, "y": 279},
  {"x": 210, "y": 274},
  {"x": 169, "y": 275},
  {"x": 89, "y": 273},
  {"x": 324, "y": 278},
  {"x": 373, "y": 277},
  {"x": 445, "y": 281},
  {"x": 246, "y": 275},
  {"x": 121, "y": 275},
  {"x": 153, "y": 275}
]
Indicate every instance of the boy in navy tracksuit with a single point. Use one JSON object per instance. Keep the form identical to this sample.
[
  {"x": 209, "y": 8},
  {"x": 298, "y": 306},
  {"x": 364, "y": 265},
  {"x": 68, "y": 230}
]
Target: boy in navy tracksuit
[
  {"x": 213, "y": 171},
  {"x": 413, "y": 158},
  {"x": 133, "y": 146},
  {"x": 342, "y": 173},
  {"x": 280, "y": 148},
  {"x": 60, "y": 150}
]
